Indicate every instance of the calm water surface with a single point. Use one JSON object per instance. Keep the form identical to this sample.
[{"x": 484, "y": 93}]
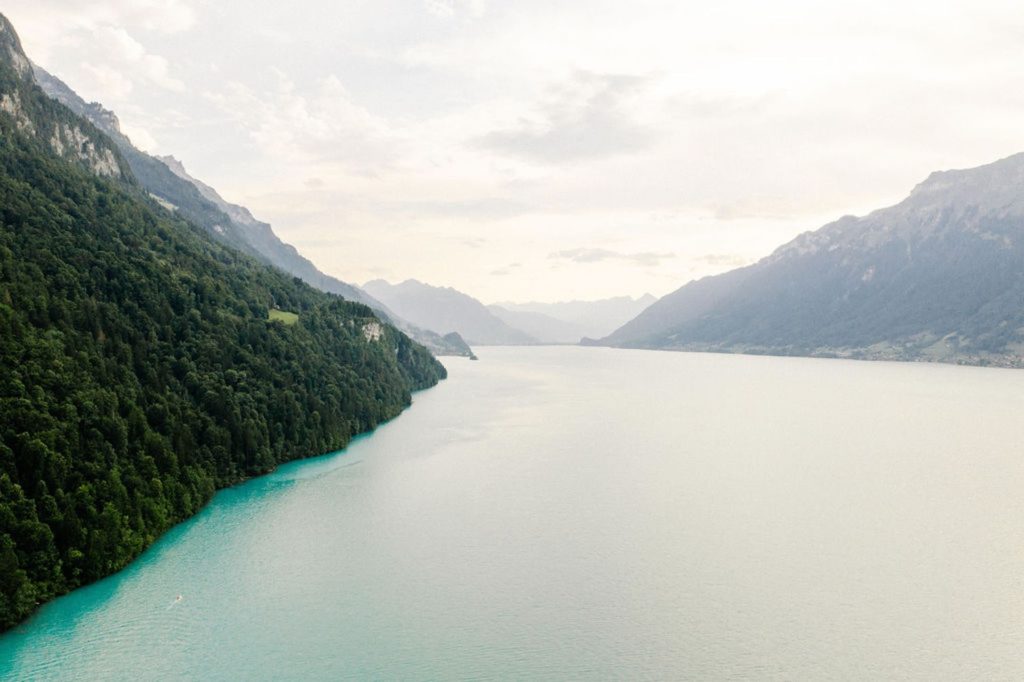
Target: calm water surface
[{"x": 574, "y": 513}]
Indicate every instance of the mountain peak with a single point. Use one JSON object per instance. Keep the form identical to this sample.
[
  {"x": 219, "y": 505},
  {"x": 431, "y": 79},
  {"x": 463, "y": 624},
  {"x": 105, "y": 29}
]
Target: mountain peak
[
  {"x": 104, "y": 119},
  {"x": 996, "y": 186},
  {"x": 935, "y": 277},
  {"x": 176, "y": 166},
  {"x": 32, "y": 113},
  {"x": 14, "y": 54}
]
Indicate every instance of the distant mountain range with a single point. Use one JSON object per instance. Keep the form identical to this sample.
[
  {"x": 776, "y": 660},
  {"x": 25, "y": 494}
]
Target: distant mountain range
[
  {"x": 570, "y": 321},
  {"x": 939, "y": 276},
  {"x": 543, "y": 328},
  {"x": 447, "y": 310},
  {"x": 167, "y": 181}
]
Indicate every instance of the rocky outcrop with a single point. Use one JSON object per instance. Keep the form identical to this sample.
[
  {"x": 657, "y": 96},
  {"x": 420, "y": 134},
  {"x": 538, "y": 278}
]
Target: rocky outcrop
[{"x": 36, "y": 115}]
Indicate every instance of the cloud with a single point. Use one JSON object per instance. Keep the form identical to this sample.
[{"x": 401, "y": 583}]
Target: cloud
[
  {"x": 483, "y": 207},
  {"x": 450, "y": 8},
  {"x": 761, "y": 207},
  {"x": 753, "y": 125},
  {"x": 111, "y": 83},
  {"x": 56, "y": 28},
  {"x": 140, "y": 137},
  {"x": 110, "y": 63},
  {"x": 727, "y": 259},
  {"x": 647, "y": 259},
  {"x": 506, "y": 270},
  {"x": 274, "y": 35},
  {"x": 123, "y": 53},
  {"x": 165, "y": 16},
  {"x": 318, "y": 124},
  {"x": 717, "y": 106},
  {"x": 588, "y": 117}
]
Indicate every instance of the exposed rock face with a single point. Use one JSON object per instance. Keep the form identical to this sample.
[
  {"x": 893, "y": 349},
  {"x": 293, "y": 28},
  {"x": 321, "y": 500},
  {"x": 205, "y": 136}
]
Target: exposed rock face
[
  {"x": 35, "y": 115},
  {"x": 69, "y": 140},
  {"x": 12, "y": 44},
  {"x": 939, "y": 276},
  {"x": 373, "y": 331},
  {"x": 10, "y": 103},
  {"x": 102, "y": 118}
]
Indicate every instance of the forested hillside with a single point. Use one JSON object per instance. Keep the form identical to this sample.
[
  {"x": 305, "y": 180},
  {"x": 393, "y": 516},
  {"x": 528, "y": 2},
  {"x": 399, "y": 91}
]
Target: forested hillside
[
  {"x": 141, "y": 367},
  {"x": 166, "y": 179}
]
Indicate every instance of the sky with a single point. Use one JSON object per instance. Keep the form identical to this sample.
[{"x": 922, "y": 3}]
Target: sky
[{"x": 543, "y": 149}]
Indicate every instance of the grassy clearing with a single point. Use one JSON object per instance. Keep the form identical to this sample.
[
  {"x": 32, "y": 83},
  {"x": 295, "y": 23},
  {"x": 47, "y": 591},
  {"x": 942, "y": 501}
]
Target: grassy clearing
[{"x": 282, "y": 316}]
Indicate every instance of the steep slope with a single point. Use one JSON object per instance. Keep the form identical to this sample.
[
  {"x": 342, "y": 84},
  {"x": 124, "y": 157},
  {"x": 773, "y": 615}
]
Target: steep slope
[
  {"x": 143, "y": 367},
  {"x": 544, "y": 328},
  {"x": 939, "y": 276},
  {"x": 154, "y": 176},
  {"x": 591, "y": 318},
  {"x": 446, "y": 309},
  {"x": 166, "y": 180},
  {"x": 261, "y": 238},
  {"x": 57, "y": 129}
]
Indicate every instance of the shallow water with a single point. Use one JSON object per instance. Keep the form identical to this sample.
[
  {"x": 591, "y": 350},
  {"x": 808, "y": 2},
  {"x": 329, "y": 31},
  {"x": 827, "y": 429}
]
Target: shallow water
[{"x": 569, "y": 513}]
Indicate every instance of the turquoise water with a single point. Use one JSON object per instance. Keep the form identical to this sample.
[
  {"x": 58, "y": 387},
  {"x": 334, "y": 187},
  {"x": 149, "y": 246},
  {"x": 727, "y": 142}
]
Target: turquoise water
[{"x": 579, "y": 513}]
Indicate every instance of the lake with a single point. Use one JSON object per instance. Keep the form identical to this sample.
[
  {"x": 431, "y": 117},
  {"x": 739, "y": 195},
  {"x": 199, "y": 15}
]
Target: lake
[{"x": 587, "y": 513}]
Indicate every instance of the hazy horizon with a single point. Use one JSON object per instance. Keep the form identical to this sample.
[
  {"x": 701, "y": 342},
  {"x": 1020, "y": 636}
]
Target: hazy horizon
[{"x": 661, "y": 144}]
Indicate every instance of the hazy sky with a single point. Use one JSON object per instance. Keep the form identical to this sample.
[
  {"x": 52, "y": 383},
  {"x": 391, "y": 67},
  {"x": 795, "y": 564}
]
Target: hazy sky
[{"x": 542, "y": 149}]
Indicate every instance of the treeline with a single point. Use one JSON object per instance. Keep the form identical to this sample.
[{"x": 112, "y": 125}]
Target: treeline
[{"x": 139, "y": 372}]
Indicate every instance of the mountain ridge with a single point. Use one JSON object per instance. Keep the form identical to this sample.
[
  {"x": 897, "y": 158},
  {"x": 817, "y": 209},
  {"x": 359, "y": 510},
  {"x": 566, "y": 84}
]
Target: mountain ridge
[
  {"x": 167, "y": 180},
  {"x": 938, "y": 276}
]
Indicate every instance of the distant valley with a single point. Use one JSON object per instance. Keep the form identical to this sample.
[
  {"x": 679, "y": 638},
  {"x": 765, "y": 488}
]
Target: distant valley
[
  {"x": 572, "y": 321},
  {"x": 445, "y": 308}
]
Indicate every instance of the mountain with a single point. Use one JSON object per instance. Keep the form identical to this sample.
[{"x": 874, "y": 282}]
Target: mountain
[
  {"x": 67, "y": 136},
  {"x": 166, "y": 179},
  {"x": 260, "y": 237},
  {"x": 544, "y": 328},
  {"x": 580, "y": 318},
  {"x": 153, "y": 175},
  {"x": 446, "y": 309},
  {"x": 939, "y": 276},
  {"x": 146, "y": 364},
  {"x": 454, "y": 342}
]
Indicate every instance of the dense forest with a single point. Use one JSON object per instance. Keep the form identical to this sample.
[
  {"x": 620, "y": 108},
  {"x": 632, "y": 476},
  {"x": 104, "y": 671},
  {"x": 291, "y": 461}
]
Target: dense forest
[{"x": 141, "y": 369}]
